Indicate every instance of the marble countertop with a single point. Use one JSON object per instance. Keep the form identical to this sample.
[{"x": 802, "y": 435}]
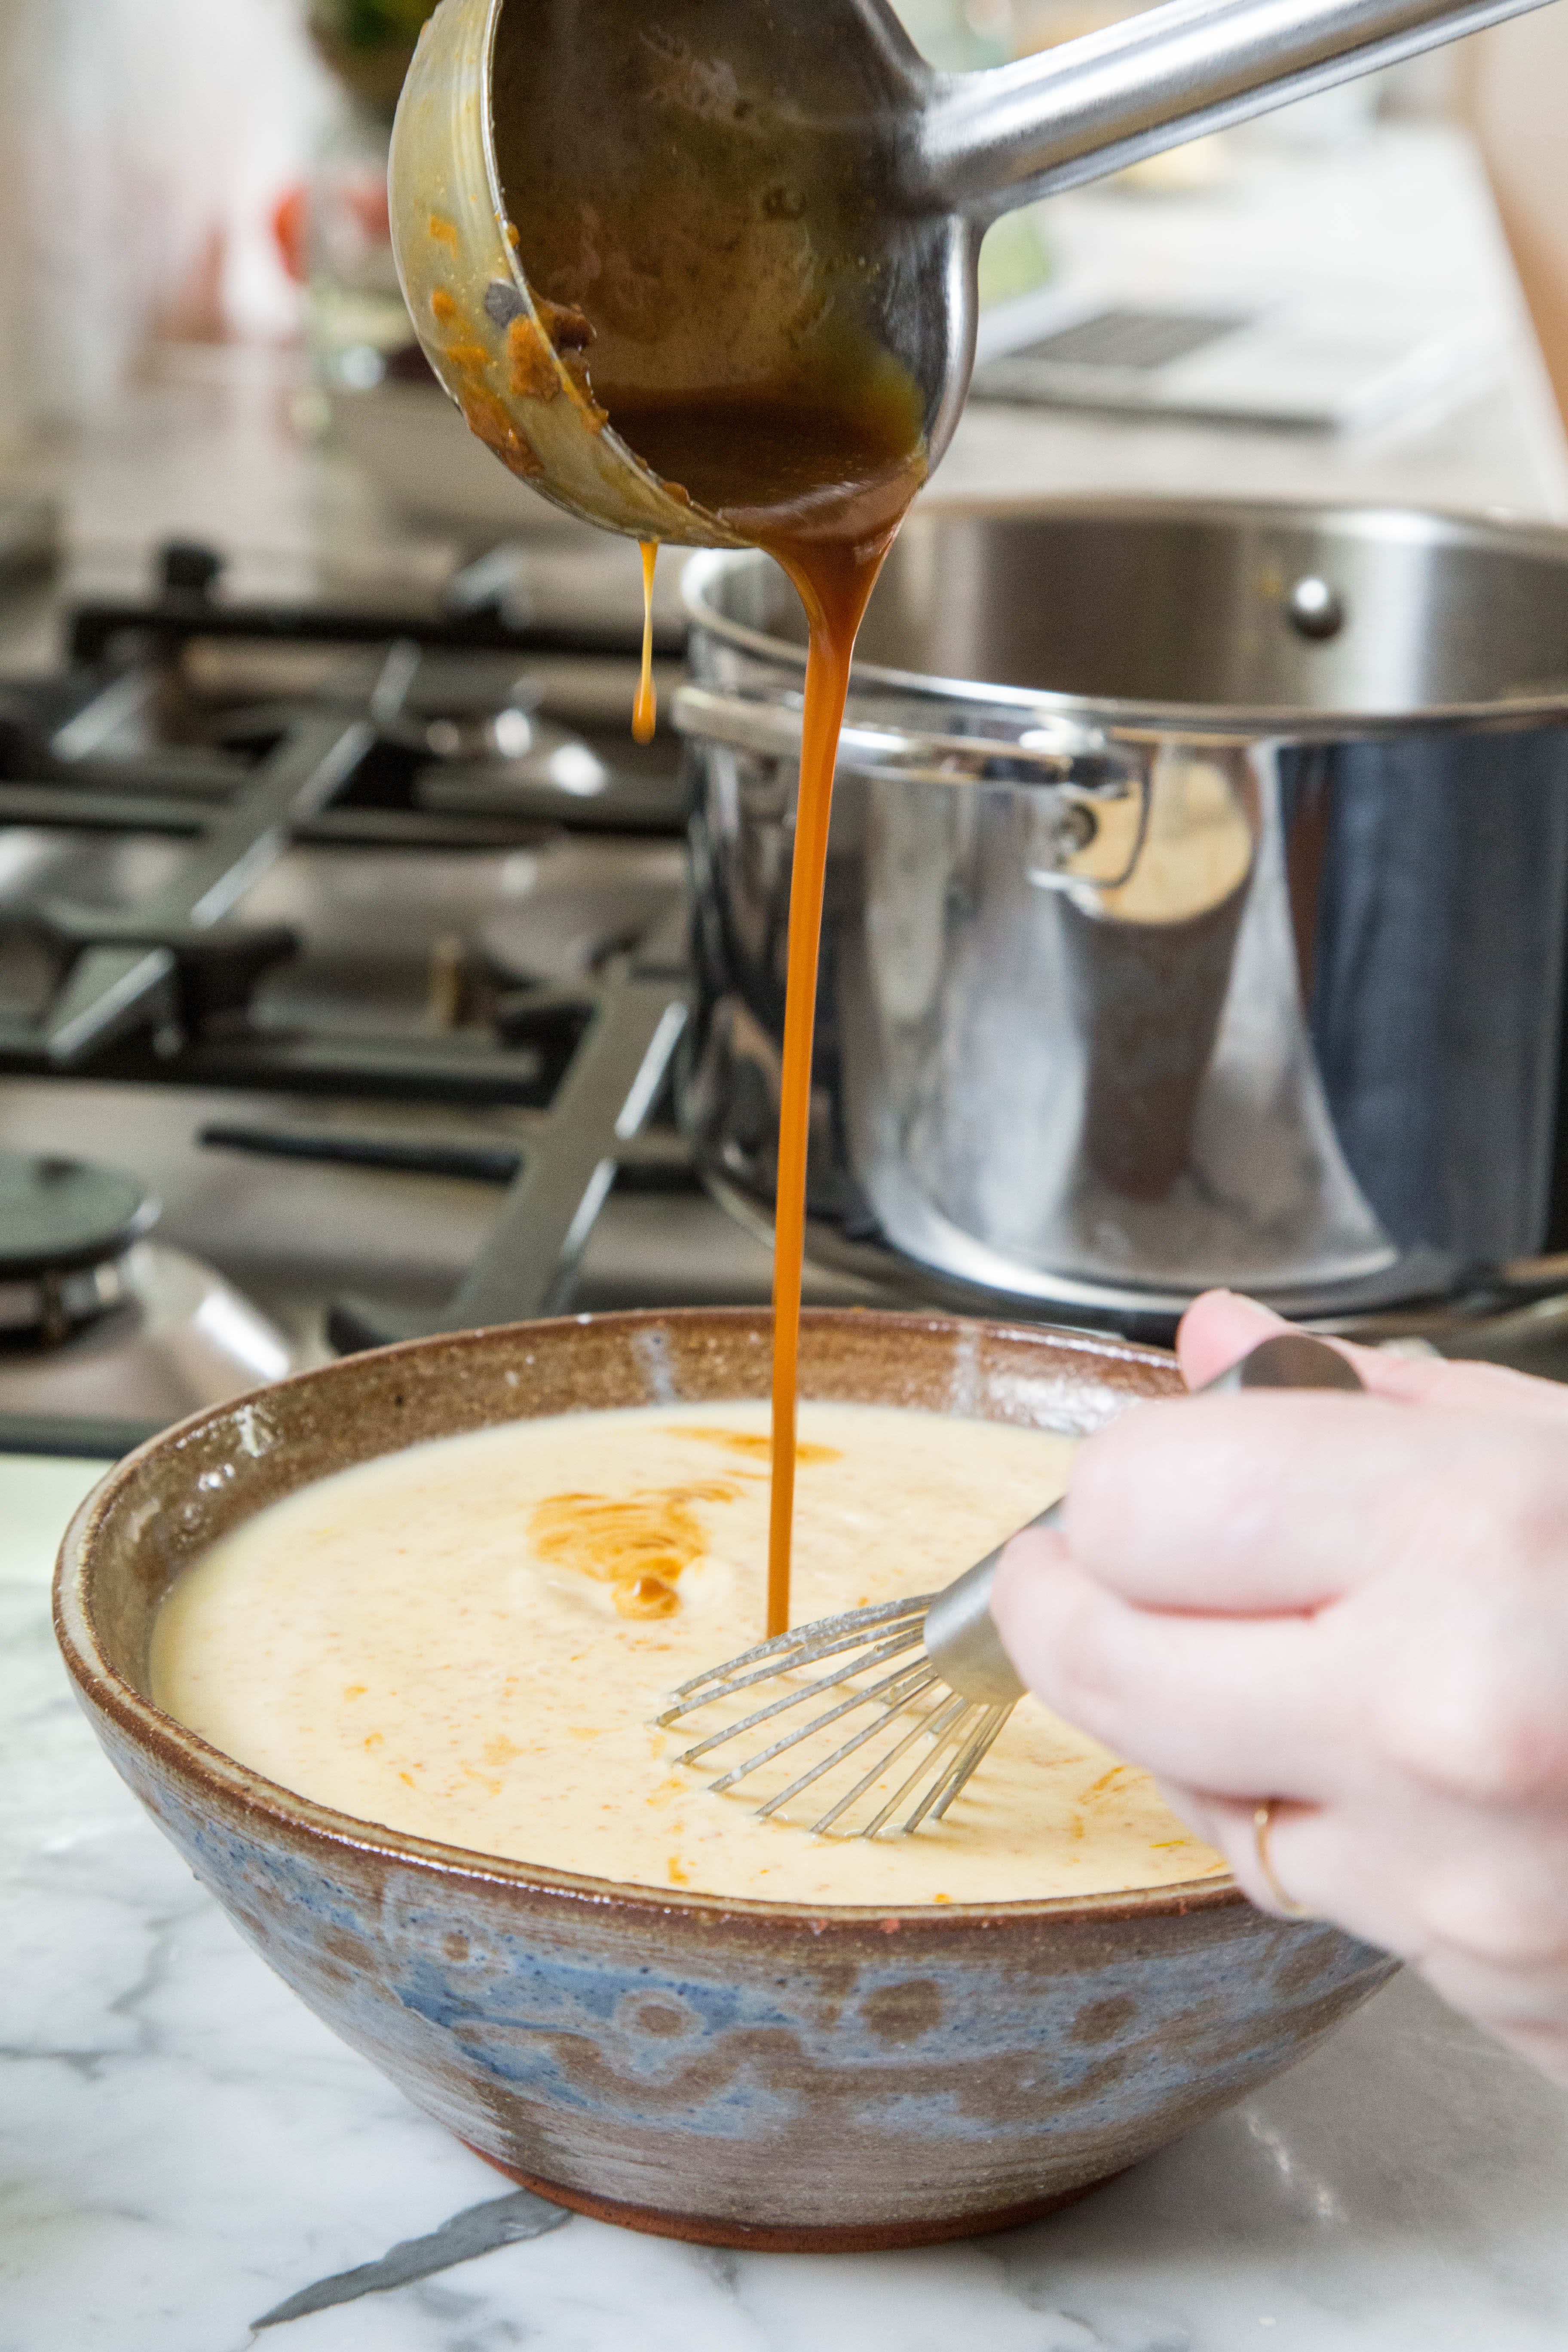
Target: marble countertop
[{"x": 185, "y": 2154}]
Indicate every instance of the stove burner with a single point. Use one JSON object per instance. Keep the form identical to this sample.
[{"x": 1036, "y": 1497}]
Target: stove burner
[
  {"x": 245, "y": 733},
  {"x": 412, "y": 857},
  {"x": 65, "y": 1228},
  {"x": 478, "y": 719},
  {"x": 289, "y": 866}
]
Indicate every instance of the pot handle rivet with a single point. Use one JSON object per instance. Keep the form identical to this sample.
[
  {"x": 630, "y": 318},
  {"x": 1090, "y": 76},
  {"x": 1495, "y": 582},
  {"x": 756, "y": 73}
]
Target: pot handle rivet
[{"x": 1314, "y": 609}]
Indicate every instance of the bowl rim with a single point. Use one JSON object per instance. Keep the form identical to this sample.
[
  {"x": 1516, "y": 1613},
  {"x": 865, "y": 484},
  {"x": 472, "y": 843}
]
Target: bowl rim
[{"x": 232, "y": 1786}]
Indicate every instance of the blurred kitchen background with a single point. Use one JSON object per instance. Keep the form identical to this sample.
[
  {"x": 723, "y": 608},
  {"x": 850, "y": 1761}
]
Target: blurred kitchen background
[
  {"x": 275, "y": 629},
  {"x": 183, "y": 179}
]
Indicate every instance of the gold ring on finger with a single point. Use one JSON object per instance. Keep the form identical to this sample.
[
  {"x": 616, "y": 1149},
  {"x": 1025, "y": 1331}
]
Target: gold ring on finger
[{"x": 1262, "y": 1822}]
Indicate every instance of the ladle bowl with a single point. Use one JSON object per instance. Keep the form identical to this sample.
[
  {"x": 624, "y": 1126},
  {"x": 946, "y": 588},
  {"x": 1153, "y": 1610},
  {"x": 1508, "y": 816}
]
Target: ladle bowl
[
  {"x": 594, "y": 210},
  {"x": 600, "y": 208}
]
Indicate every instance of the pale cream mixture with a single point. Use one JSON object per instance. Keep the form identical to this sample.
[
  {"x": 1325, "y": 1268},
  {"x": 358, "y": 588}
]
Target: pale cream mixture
[{"x": 470, "y": 1641}]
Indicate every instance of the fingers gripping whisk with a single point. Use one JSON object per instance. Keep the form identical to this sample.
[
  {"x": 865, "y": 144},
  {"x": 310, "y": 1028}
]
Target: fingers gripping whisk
[
  {"x": 920, "y": 1687},
  {"x": 878, "y": 1734}
]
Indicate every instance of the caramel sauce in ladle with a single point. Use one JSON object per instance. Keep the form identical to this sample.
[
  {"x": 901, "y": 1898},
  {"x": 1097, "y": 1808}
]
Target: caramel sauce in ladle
[{"x": 822, "y": 490}]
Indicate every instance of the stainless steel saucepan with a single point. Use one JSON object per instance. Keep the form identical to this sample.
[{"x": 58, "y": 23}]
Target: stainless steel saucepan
[{"x": 1196, "y": 903}]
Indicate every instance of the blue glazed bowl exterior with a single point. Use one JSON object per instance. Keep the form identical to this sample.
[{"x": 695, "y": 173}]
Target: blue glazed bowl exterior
[{"x": 738, "y": 2073}]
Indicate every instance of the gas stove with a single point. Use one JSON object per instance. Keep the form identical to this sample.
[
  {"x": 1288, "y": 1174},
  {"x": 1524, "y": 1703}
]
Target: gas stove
[
  {"x": 350, "y": 944},
  {"x": 346, "y": 948}
]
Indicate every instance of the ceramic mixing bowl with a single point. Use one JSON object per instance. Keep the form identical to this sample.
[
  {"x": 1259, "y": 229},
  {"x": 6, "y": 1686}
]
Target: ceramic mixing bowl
[{"x": 739, "y": 2072}]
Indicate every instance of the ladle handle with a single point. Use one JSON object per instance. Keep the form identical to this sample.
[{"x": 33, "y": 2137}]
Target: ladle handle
[{"x": 993, "y": 140}]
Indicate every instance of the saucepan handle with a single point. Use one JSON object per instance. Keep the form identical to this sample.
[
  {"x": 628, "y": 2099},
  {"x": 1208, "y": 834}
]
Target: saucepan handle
[{"x": 1093, "y": 793}]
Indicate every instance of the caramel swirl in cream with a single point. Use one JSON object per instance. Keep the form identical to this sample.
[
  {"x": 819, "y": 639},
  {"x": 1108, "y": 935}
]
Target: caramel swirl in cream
[{"x": 469, "y": 1642}]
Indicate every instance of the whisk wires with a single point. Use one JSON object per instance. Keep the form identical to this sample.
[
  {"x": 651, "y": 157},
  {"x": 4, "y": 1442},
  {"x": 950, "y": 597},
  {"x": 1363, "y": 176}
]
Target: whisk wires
[{"x": 944, "y": 1737}]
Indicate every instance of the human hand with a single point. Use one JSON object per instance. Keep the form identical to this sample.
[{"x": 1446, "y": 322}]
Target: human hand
[{"x": 1357, "y": 1607}]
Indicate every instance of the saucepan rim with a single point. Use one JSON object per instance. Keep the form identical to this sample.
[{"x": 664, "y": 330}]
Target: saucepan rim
[
  {"x": 227, "y": 1785},
  {"x": 1131, "y": 720}
]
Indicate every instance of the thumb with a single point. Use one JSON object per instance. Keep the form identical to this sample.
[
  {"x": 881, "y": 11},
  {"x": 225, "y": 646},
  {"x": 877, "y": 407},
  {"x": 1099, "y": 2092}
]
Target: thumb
[{"x": 1218, "y": 1329}]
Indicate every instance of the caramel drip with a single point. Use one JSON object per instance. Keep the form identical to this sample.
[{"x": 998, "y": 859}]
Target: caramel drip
[
  {"x": 835, "y": 595},
  {"x": 640, "y": 1543},
  {"x": 646, "y": 1596},
  {"x": 823, "y": 489},
  {"x": 645, "y": 717},
  {"x": 760, "y": 1449}
]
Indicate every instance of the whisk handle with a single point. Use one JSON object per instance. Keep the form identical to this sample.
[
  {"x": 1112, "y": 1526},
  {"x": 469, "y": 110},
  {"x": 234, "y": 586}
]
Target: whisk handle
[
  {"x": 961, "y": 1637},
  {"x": 1287, "y": 1359}
]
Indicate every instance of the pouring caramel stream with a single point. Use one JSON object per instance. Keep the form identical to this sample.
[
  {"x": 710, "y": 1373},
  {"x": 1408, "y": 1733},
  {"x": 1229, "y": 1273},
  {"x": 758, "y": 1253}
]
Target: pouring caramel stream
[
  {"x": 645, "y": 716},
  {"x": 822, "y": 490}
]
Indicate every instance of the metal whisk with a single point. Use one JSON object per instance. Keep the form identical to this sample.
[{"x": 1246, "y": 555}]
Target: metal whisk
[{"x": 934, "y": 1662}]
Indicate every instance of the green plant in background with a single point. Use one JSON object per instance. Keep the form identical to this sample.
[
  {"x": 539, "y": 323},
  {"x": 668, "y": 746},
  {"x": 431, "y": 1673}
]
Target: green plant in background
[
  {"x": 1015, "y": 257},
  {"x": 368, "y": 43},
  {"x": 370, "y": 23}
]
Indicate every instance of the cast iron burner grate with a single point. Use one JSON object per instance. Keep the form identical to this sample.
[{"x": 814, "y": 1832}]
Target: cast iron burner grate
[
  {"x": 240, "y": 732},
  {"x": 65, "y": 1226}
]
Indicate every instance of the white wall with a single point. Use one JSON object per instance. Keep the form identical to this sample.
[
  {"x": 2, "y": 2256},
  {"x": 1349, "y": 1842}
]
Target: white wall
[{"x": 142, "y": 143}]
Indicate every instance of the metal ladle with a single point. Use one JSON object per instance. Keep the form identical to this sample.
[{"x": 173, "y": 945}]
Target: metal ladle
[{"x": 598, "y": 204}]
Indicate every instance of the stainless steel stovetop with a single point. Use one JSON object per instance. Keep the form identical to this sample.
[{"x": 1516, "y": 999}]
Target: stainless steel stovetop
[{"x": 359, "y": 941}]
